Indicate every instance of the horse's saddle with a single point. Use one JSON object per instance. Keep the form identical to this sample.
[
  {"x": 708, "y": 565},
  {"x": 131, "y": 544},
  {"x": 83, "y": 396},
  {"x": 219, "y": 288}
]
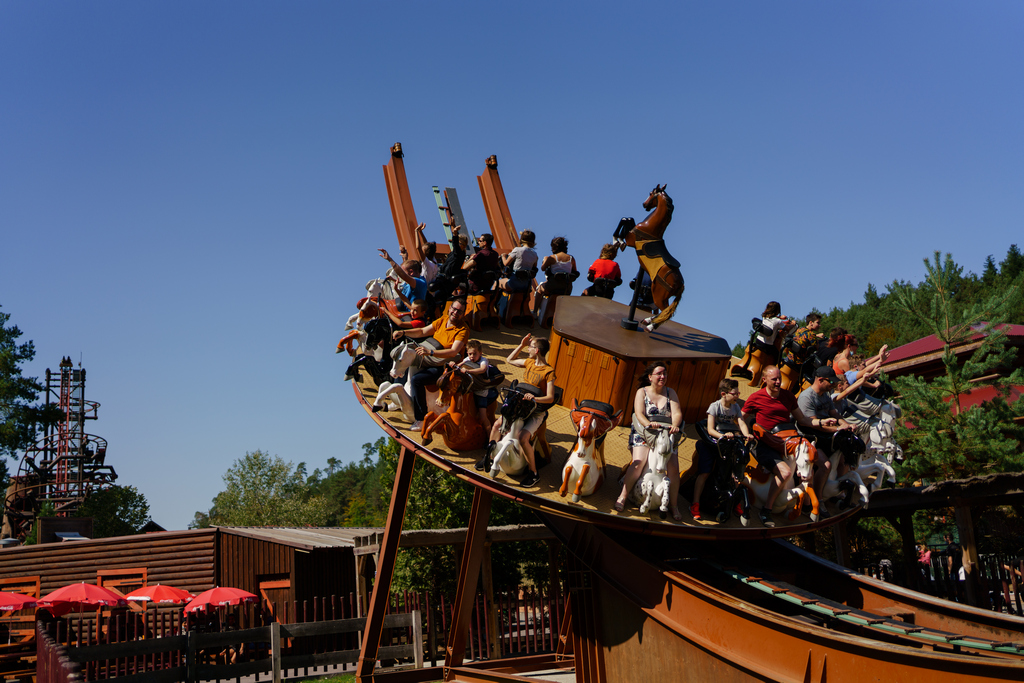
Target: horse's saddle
[
  {"x": 656, "y": 249},
  {"x": 430, "y": 361}
]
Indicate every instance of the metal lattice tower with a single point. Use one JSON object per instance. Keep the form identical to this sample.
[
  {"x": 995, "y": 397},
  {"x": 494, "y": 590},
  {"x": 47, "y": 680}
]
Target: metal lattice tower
[{"x": 66, "y": 464}]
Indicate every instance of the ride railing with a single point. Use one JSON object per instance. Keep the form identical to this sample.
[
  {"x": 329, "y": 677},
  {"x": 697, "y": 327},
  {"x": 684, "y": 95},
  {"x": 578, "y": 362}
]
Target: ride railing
[
  {"x": 316, "y": 636},
  {"x": 999, "y": 576}
]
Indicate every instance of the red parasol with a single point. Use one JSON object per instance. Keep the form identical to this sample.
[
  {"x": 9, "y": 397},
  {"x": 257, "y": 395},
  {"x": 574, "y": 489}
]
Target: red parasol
[
  {"x": 15, "y": 601},
  {"x": 80, "y": 597},
  {"x": 160, "y": 594},
  {"x": 220, "y": 596}
]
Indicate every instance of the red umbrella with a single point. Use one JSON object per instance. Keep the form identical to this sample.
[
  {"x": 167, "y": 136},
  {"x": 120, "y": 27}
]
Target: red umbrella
[
  {"x": 220, "y": 596},
  {"x": 160, "y": 594},
  {"x": 15, "y": 601},
  {"x": 80, "y": 597}
]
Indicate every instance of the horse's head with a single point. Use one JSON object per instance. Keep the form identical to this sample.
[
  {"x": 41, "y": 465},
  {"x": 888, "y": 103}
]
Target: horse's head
[
  {"x": 652, "y": 199},
  {"x": 453, "y": 381},
  {"x": 377, "y": 331},
  {"x": 803, "y": 452},
  {"x": 592, "y": 419},
  {"x": 850, "y": 445},
  {"x": 735, "y": 454},
  {"x": 664, "y": 444},
  {"x": 403, "y": 355},
  {"x": 374, "y": 288},
  {"x": 514, "y": 406}
]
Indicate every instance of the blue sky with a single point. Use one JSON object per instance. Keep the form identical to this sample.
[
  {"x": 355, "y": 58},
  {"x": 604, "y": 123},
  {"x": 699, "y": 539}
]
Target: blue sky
[{"x": 191, "y": 193}]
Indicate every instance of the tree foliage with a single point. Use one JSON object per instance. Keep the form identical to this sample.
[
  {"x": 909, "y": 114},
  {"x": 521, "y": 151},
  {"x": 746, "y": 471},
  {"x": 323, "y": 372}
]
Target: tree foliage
[
  {"x": 261, "y": 490},
  {"x": 438, "y": 500},
  {"x": 116, "y": 511},
  {"x": 18, "y": 417},
  {"x": 946, "y": 439}
]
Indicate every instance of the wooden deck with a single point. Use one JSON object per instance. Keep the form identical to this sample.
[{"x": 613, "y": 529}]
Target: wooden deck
[{"x": 561, "y": 435}]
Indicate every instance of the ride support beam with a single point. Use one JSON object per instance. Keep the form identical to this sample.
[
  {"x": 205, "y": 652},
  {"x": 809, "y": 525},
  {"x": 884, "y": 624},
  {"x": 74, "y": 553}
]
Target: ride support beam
[
  {"x": 469, "y": 573},
  {"x": 506, "y": 237},
  {"x": 965, "y": 525},
  {"x": 401, "y": 201},
  {"x": 386, "y": 566}
]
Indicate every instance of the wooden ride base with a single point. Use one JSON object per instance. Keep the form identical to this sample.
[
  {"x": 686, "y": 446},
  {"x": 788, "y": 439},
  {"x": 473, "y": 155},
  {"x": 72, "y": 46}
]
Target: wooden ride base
[{"x": 696, "y": 358}]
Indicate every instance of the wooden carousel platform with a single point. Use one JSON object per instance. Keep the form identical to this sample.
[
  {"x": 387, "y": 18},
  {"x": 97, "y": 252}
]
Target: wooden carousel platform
[{"x": 561, "y": 435}]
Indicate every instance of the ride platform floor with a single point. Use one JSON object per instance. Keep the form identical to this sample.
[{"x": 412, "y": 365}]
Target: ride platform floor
[{"x": 561, "y": 435}]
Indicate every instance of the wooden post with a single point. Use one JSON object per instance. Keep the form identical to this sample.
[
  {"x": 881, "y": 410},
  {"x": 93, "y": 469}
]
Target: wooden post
[
  {"x": 905, "y": 526},
  {"x": 965, "y": 525},
  {"x": 275, "y": 650},
  {"x": 469, "y": 571},
  {"x": 842, "y": 541},
  {"x": 417, "y": 639},
  {"x": 494, "y": 642},
  {"x": 386, "y": 566},
  {"x": 191, "y": 657}
]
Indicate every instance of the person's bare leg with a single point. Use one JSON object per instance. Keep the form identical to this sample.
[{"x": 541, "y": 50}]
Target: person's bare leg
[
  {"x": 673, "y": 487},
  {"x": 640, "y": 454}
]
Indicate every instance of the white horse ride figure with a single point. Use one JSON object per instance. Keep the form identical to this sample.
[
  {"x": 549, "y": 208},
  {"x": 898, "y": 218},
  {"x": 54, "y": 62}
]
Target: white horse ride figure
[
  {"x": 584, "y": 470},
  {"x": 849, "y": 449},
  {"x": 507, "y": 455},
  {"x": 652, "y": 487},
  {"x": 402, "y": 357},
  {"x": 800, "y": 457},
  {"x": 369, "y": 308}
]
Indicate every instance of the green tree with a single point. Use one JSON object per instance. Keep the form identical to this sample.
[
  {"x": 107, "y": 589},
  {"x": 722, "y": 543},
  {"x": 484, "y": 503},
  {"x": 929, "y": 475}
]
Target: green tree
[
  {"x": 1013, "y": 264},
  {"x": 19, "y": 417},
  {"x": 438, "y": 500},
  {"x": 261, "y": 490},
  {"x": 944, "y": 439},
  {"x": 116, "y": 511},
  {"x": 352, "y": 490}
]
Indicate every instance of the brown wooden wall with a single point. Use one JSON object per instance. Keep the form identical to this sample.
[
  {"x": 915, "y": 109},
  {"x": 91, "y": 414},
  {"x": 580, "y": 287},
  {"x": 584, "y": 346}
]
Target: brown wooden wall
[
  {"x": 584, "y": 372},
  {"x": 244, "y": 562},
  {"x": 184, "y": 559}
]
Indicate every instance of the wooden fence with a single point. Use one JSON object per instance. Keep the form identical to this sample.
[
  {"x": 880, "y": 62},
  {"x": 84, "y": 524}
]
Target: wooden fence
[
  {"x": 999, "y": 576},
  {"x": 155, "y": 645}
]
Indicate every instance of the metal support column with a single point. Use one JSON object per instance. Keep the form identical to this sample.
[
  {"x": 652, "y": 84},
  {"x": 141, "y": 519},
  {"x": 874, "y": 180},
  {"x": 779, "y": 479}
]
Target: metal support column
[
  {"x": 386, "y": 566},
  {"x": 469, "y": 572}
]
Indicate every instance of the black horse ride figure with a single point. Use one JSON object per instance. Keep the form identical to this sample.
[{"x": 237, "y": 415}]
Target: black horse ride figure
[
  {"x": 723, "y": 494},
  {"x": 376, "y": 356}
]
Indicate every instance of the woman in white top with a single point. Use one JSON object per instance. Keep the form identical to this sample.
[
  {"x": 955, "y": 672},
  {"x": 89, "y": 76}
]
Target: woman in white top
[
  {"x": 520, "y": 260},
  {"x": 560, "y": 269}
]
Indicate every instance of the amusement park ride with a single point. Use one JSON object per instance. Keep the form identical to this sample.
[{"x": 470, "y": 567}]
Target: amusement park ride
[
  {"x": 650, "y": 595},
  {"x": 63, "y": 467}
]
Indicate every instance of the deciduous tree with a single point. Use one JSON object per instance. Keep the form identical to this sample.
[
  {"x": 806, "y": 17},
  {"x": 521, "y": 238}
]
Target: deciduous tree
[{"x": 116, "y": 511}]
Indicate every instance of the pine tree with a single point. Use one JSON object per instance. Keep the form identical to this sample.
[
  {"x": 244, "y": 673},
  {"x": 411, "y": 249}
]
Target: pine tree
[
  {"x": 1013, "y": 264},
  {"x": 943, "y": 438}
]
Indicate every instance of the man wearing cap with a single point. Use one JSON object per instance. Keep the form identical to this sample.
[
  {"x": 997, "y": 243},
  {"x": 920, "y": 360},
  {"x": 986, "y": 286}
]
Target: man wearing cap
[
  {"x": 816, "y": 400},
  {"x": 772, "y": 409}
]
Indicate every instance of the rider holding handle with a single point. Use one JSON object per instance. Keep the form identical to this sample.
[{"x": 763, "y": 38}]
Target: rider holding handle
[{"x": 542, "y": 376}]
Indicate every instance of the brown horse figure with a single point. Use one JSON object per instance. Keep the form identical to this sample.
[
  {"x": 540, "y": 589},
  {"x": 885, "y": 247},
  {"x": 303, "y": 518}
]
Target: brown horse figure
[
  {"x": 646, "y": 238},
  {"x": 459, "y": 425}
]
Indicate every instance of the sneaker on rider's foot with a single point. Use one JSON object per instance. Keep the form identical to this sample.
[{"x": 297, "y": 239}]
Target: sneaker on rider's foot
[
  {"x": 695, "y": 512},
  {"x": 766, "y": 519},
  {"x": 530, "y": 480},
  {"x": 416, "y": 426}
]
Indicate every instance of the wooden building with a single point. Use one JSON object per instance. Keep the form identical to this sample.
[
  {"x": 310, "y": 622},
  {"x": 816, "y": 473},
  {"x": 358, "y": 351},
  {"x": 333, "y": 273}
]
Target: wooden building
[{"x": 285, "y": 564}]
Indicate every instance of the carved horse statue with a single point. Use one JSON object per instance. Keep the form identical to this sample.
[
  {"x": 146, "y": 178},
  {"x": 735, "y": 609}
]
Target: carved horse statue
[
  {"x": 376, "y": 355},
  {"x": 723, "y": 493},
  {"x": 369, "y": 307},
  {"x": 800, "y": 456},
  {"x": 652, "y": 487},
  {"x": 515, "y": 410},
  {"x": 584, "y": 470},
  {"x": 459, "y": 425},
  {"x": 850, "y": 485},
  {"x": 402, "y": 357},
  {"x": 647, "y": 239}
]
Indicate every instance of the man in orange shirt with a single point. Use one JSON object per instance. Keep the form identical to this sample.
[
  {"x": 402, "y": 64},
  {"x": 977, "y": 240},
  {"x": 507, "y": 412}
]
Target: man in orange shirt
[{"x": 451, "y": 333}]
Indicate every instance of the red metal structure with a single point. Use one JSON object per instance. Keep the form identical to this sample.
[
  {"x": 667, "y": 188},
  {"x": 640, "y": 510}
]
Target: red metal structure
[{"x": 66, "y": 464}]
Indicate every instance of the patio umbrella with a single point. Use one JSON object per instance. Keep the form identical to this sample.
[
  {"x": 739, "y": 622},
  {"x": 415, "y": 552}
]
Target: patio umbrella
[
  {"x": 15, "y": 601},
  {"x": 79, "y": 597},
  {"x": 220, "y": 596},
  {"x": 160, "y": 594}
]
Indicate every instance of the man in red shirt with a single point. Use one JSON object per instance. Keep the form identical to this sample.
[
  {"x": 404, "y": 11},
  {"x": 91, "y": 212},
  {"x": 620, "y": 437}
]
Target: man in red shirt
[{"x": 772, "y": 409}]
